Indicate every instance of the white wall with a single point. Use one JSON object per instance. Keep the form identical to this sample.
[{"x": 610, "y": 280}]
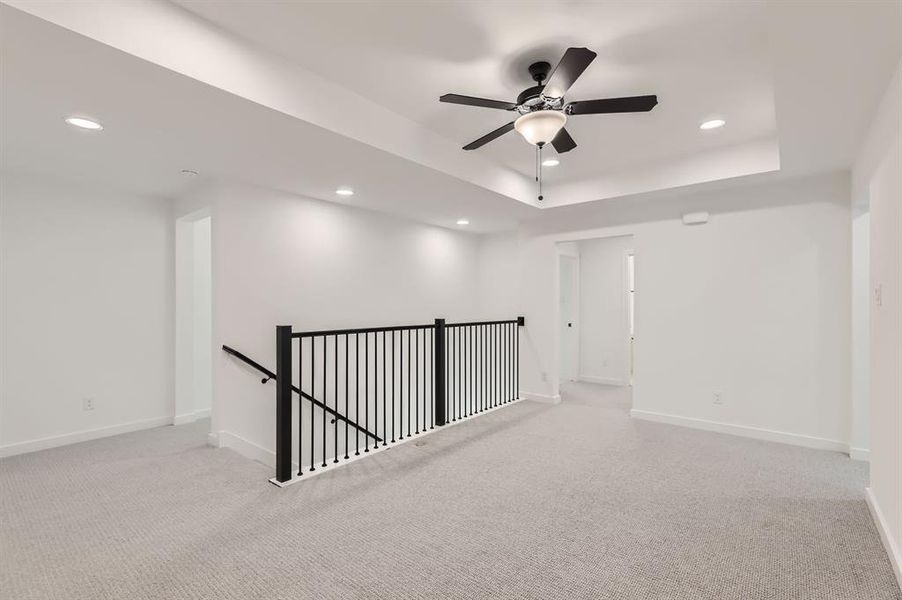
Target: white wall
[
  {"x": 282, "y": 259},
  {"x": 859, "y": 436},
  {"x": 754, "y": 305},
  {"x": 193, "y": 316},
  {"x": 877, "y": 176},
  {"x": 604, "y": 327},
  {"x": 203, "y": 317},
  {"x": 86, "y": 293}
]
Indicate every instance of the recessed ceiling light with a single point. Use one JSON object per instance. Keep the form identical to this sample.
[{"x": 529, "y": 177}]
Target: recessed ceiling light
[
  {"x": 84, "y": 123},
  {"x": 344, "y": 191},
  {"x": 550, "y": 162},
  {"x": 463, "y": 222},
  {"x": 189, "y": 173},
  {"x": 712, "y": 124}
]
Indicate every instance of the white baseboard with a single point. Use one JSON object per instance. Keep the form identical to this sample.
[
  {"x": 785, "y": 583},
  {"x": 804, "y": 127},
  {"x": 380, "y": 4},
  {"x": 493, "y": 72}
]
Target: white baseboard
[
  {"x": 893, "y": 551},
  {"x": 769, "y": 435},
  {"x": 81, "y": 436},
  {"x": 862, "y": 454},
  {"x": 332, "y": 466},
  {"x": 602, "y": 380},
  {"x": 245, "y": 448},
  {"x": 547, "y": 399},
  {"x": 191, "y": 416}
]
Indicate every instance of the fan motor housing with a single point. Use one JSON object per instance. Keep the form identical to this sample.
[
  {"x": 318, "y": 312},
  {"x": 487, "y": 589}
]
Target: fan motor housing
[{"x": 528, "y": 94}]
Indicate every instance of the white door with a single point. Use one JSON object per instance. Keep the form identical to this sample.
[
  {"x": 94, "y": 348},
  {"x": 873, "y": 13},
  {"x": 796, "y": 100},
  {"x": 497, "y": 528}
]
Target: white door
[{"x": 569, "y": 311}]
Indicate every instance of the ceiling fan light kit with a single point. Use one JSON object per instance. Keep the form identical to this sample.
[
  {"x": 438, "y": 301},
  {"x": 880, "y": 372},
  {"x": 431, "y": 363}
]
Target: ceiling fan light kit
[
  {"x": 543, "y": 111},
  {"x": 540, "y": 127}
]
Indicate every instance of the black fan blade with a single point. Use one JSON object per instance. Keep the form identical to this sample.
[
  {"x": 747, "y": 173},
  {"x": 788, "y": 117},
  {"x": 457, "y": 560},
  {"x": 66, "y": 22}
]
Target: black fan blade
[
  {"x": 572, "y": 65},
  {"x": 612, "y": 105},
  {"x": 489, "y": 137},
  {"x": 471, "y": 101},
  {"x": 562, "y": 142}
]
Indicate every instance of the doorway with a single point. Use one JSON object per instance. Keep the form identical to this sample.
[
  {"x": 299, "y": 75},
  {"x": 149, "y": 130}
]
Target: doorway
[
  {"x": 569, "y": 316},
  {"x": 597, "y": 316},
  {"x": 193, "y": 318}
]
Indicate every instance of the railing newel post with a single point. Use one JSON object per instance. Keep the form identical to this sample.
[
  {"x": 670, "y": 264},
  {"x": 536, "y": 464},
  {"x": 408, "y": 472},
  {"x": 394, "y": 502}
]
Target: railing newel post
[
  {"x": 439, "y": 369},
  {"x": 283, "y": 403}
]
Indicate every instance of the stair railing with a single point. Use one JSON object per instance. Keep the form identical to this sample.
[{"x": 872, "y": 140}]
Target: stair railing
[{"x": 383, "y": 386}]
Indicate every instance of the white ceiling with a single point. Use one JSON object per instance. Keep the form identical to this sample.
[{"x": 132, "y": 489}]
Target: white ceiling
[
  {"x": 158, "y": 122},
  {"x": 702, "y": 59},
  {"x": 303, "y": 97}
]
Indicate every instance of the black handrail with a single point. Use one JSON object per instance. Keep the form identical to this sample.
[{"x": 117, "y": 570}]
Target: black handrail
[
  {"x": 306, "y": 334},
  {"x": 270, "y": 375}
]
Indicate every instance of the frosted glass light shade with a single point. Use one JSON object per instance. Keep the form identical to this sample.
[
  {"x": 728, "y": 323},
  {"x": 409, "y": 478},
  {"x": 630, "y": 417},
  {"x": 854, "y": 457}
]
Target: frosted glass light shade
[{"x": 540, "y": 127}]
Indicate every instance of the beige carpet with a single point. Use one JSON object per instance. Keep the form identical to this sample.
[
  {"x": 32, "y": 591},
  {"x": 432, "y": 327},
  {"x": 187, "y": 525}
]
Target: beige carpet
[{"x": 533, "y": 501}]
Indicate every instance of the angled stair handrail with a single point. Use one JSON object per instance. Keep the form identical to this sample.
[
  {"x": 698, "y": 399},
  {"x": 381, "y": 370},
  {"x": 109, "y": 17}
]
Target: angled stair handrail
[{"x": 270, "y": 375}]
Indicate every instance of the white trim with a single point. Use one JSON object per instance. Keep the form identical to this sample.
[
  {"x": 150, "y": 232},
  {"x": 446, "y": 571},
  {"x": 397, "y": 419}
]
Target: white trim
[
  {"x": 770, "y": 435},
  {"x": 602, "y": 380},
  {"x": 227, "y": 439},
  {"x": 555, "y": 399},
  {"x": 81, "y": 436},
  {"x": 191, "y": 417},
  {"x": 860, "y": 454},
  {"x": 892, "y": 549},
  {"x": 271, "y": 456}
]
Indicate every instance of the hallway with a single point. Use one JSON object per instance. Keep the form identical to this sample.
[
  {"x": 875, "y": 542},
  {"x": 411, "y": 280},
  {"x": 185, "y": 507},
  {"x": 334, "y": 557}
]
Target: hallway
[{"x": 533, "y": 501}]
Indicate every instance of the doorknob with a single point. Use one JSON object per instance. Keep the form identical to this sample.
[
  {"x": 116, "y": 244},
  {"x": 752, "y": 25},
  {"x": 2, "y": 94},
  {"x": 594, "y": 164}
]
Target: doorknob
[{"x": 569, "y": 324}]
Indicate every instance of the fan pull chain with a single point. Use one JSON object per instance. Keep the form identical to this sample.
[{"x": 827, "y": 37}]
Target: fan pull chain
[
  {"x": 537, "y": 164},
  {"x": 539, "y": 170}
]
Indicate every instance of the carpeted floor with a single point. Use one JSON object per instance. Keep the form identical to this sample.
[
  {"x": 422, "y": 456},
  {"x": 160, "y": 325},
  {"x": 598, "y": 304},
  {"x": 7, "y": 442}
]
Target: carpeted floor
[{"x": 533, "y": 501}]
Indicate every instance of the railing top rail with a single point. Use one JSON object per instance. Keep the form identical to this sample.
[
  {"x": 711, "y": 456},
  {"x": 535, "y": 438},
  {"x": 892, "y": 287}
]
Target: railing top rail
[
  {"x": 473, "y": 323},
  {"x": 303, "y": 334}
]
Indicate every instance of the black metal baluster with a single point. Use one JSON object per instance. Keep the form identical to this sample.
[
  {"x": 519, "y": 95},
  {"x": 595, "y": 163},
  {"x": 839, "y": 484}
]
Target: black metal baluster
[
  {"x": 473, "y": 370},
  {"x": 465, "y": 406},
  {"x": 431, "y": 376},
  {"x": 347, "y": 414},
  {"x": 500, "y": 364},
  {"x": 510, "y": 362},
  {"x": 495, "y": 366},
  {"x": 455, "y": 375},
  {"x": 416, "y": 376},
  {"x": 409, "y": 369},
  {"x": 335, "y": 398},
  {"x": 393, "y": 389},
  {"x": 466, "y": 368},
  {"x": 423, "y": 394},
  {"x": 456, "y": 381},
  {"x": 384, "y": 398},
  {"x": 468, "y": 355},
  {"x": 366, "y": 388},
  {"x": 448, "y": 406},
  {"x": 312, "y": 395},
  {"x": 357, "y": 393},
  {"x": 504, "y": 364},
  {"x": 325, "y": 393},
  {"x": 481, "y": 367},
  {"x": 401, "y": 383},
  {"x": 301, "y": 406},
  {"x": 517, "y": 364}
]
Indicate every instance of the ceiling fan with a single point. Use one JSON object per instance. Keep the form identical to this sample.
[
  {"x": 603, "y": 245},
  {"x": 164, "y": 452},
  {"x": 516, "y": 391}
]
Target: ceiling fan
[{"x": 543, "y": 111}]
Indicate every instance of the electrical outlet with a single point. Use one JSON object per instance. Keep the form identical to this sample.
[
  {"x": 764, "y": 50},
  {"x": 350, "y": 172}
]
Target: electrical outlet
[
  {"x": 718, "y": 398},
  {"x": 544, "y": 376},
  {"x": 87, "y": 404}
]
